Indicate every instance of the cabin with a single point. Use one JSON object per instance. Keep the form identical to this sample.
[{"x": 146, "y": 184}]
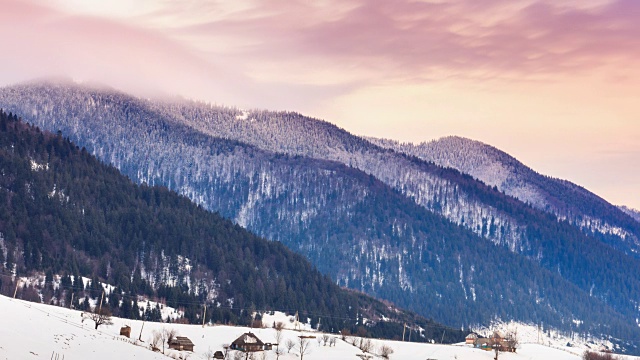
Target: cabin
[
  {"x": 181, "y": 343},
  {"x": 471, "y": 338},
  {"x": 482, "y": 343},
  {"x": 248, "y": 342},
  {"x": 125, "y": 331},
  {"x": 218, "y": 355},
  {"x": 495, "y": 341}
]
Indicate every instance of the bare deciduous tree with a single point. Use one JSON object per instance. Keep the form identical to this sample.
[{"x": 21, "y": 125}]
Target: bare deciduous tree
[
  {"x": 100, "y": 317},
  {"x": 303, "y": 346},
  {"x": 209, "y": 354},
  {"x": 386, "y": 351},
  {"x": 289, "y": 344},
  {"x": 155, "y": 341},
  {"x": 332, "y": 341},
  {"x": 325, "y": 339},
  {"x": 365, "y": 345},
  {"x": 344, "y": 333},
  {"x": 279, "y": 326}
]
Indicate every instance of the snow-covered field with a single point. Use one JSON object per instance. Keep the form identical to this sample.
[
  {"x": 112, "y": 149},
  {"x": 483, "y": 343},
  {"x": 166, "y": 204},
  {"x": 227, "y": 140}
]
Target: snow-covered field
[{"x": 38, "y": 331}]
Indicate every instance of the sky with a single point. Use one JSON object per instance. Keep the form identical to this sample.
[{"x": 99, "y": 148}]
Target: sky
[{"x": 552, "y": 82}]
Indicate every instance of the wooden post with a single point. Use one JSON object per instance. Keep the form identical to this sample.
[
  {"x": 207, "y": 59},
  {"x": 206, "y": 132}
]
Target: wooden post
[
  {"x": 16, "y": 290},
  {"x": 101, "y": 298},
  {"x": 204, "y": 315},
  {"x": 410, "y": 330},
  {"x": 404, "y": 327},
  {"x": 140, "y": 337},
  {"x": 71, "y": 303},
  {"x": 442, "y": 340}
]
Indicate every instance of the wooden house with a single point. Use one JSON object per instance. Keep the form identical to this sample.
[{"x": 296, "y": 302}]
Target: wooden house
[
  {"x": 125, "y": 331},
  {"x": 471, "y": 338},
  {"x": 482, "y": 343},
  {"x": 248, "y": 342},
  {"x": 181, "y": 343}
]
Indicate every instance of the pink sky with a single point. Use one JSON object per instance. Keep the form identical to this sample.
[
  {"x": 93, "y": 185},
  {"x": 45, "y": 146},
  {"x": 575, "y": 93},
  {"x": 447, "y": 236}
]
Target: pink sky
[{"x": 552, "y": 82}]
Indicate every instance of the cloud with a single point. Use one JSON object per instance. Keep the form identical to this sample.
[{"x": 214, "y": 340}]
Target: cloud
[
  {"x": 424, "y": 40},
  {"x": 39, "y": 41}
]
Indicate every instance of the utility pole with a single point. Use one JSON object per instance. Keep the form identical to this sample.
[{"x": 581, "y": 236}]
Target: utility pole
[{"x": 204, "y": 315}]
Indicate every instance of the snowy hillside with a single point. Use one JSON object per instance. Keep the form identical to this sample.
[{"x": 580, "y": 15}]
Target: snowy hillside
[
  {"x": 497, "y": 168},
  {"x": 61, "y": 333}
]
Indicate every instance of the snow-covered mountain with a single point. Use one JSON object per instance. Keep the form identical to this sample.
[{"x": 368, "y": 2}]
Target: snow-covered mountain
[
  {"x": 61, "y": 333},
  {"x": 559, "y": 197},
  {"x": 631, "y": 212},
  {"x": 374, "y": 219}
]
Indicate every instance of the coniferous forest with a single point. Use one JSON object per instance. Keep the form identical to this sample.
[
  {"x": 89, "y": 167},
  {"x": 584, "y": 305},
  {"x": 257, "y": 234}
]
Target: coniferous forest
[{"x": 63, "y": 212}]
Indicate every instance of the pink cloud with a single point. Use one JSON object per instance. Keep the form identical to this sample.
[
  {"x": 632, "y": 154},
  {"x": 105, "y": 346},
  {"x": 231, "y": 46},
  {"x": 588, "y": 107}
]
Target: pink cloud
[{"x": 411, "y": 38}]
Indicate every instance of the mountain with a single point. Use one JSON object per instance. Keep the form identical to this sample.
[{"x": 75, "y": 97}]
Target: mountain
[
  {"x": 631, "y": 212},
  {"x": 64, "y": 212},
  {"x": 428, "y": 238},
  {"x": 562, "y": 198}
]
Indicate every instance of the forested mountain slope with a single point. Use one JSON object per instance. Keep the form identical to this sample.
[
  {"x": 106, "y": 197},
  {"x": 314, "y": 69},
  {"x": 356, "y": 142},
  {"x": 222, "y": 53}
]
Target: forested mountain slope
[
  {"x": 535, "y": 268},
  {"x": 64, "y": 212},
  {"x": 631, "y": 212},
  {"x": 559, "y": 197}
]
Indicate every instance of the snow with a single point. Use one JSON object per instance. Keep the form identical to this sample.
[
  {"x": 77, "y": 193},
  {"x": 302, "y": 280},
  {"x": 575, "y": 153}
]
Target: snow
[
  {"x": 60, "y": 332},
  {"x": 530, "y": 334}
]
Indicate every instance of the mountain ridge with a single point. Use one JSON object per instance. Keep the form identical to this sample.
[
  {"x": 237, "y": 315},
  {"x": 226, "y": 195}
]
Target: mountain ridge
[{"x": 318, "y": 206}]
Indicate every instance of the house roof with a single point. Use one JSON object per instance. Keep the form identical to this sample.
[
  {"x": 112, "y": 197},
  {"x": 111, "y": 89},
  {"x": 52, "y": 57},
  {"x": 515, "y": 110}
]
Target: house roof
[
  {"x": 472, "y": 336},
  {"x": 182, "y": 340},
  {"x": 247, "y": 339}
]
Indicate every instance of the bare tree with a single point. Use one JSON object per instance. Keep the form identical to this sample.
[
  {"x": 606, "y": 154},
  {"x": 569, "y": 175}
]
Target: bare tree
[
  {"x": 278, "y": 339},
  {"x": 169, "y": 334},
  {"x": 156, "y": 340},
  {"x": 165, "y": 336},
  {"x": 592, "y": 355},
  {"x": 512, "y": 340},
  {"x": 303, "y": 346},
  {"x": 100, "y": 317},
  {"x": 386, "y": 351},
  {"x": 325, "y": 339},
  {"x": 332, "y": 341},
  {"x": 209, "y": 354},
  {"x": 289, "y": 345},
  {"x": 365, "y": 345},
  {"x": 344, "y": 333}
]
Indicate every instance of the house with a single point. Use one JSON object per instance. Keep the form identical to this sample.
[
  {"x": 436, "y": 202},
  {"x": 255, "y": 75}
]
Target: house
[
  {"x": 248, "y": 342},
  {"x": 125, "y": 331},
  {"x": 471, "y": 338},
  {"x": 181, "y": 343},
  {"x": 218, "y": 355},
  {"x": 482, "y": 343},
  {"x": 495, "y": 341}
]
